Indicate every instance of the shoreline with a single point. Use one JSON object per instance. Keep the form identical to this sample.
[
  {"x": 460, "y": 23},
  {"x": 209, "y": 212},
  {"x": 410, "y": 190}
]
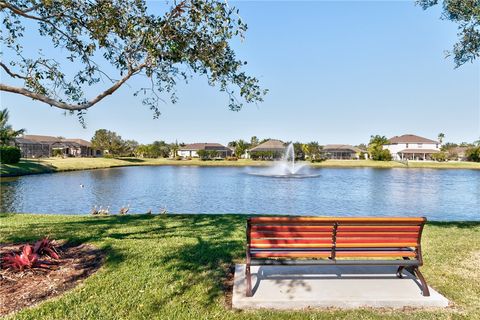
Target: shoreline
[
  {"x": 215, "y": 214},
  {"x": 52, "y": 165}
]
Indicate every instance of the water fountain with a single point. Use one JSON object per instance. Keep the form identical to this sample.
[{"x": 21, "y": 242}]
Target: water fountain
[{"x": 287, "y": 167}]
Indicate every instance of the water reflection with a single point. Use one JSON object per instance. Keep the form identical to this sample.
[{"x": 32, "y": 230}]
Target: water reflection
[{"x": 437, "y": 194}]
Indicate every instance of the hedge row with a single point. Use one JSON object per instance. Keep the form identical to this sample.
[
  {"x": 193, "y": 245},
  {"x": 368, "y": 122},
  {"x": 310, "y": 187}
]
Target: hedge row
[{"x": 9, "y": 154}]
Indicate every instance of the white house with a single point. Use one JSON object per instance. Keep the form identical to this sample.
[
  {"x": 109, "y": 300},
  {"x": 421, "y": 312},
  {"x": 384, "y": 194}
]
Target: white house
[
  {"x": 190, "y": 150},
  {"x": 412, "y": 147}
]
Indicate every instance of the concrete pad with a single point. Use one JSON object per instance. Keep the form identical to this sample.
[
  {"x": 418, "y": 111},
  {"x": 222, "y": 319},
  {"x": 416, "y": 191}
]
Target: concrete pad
[{"x": 298, "y": 287}]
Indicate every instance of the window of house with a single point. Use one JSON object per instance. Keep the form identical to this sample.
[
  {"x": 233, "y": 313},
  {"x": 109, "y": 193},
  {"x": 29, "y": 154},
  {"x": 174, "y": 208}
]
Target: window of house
[
  {"x": 407, "y": 145},
  {"x": 420, "y": 145}
]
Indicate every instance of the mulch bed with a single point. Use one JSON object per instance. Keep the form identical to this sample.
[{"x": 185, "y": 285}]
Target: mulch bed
[{"x": 29, "y": 287}]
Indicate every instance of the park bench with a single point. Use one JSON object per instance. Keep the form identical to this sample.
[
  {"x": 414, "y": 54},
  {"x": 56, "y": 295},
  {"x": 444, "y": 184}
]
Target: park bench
[{"x": 353, "y": 241}]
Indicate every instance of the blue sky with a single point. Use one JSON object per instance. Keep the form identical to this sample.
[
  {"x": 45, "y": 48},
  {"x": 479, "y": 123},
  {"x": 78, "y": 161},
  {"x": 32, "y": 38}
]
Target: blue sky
[{"x": 337, "y": 72}]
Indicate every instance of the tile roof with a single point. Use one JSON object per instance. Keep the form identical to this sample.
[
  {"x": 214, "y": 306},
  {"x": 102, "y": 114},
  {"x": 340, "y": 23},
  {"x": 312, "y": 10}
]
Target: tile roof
[
  {"x": 342, "y": 147},
  {"x": 410, "y": 138},
  {"x": 204, "y": 146},
  {"x": 270, "y": 145}
]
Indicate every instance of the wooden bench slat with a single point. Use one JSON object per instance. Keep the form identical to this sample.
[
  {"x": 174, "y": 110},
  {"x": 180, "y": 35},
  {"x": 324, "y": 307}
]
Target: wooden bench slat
[
  {"x": 288, "y": 234},
  {"x": 290, "y": 254},
  {"x": 367, "y": 228},
  {"x": 254, "y": 220},
  {"x": 376, "y": 240},
  {"x": 287, "y": 241},
  {"x": 293, "y": 245},
  {"x": 372, "y": 254},
  {"x": 372, "y": 234},
  {"x": 294, "y": 228}
]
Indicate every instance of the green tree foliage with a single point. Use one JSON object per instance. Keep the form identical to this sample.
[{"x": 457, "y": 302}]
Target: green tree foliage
[
  {"x": 254, "y": 141},
  {"x": 171, "y": 44},
  {"x": 299, "y": 154},
  {"x": 439, "y": 156},
  {"x": 375, "y": 148},
  {"x": 108, "y": 141},
  {"x": 448, "y": 146},
  {"x": 9, "y": 154},
  {"x": 157, "y": 149},
  {"x": 441, "y": 136},
  {"x": 241, "y": 147},
  {"x": 313, "y": 151},
  {"x": 207, "y": 154},
  {"x": 465, "y": 13},
  {"x": 265, "y": 155},
  {"x": 202, "y": 154},
  {"x": 473, "y": 154},
  {"x": 7, "y": 134},
  {"x": 129, "y": 147}
]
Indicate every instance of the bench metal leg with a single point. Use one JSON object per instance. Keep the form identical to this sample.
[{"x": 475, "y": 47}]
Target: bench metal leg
[
  {"x": 420, "y": 277},
  {"x": 399, "y": 271},
  {"x": 248, "y": 275}
]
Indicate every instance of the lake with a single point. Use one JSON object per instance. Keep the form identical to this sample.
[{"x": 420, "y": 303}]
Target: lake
[{"x": 436, "y": 194}]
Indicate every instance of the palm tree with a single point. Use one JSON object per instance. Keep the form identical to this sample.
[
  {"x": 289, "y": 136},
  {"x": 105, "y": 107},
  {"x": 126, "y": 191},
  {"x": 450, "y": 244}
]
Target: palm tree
[
  {"x": 7, "y": 134},
  {"x": 440, "y": 137}
]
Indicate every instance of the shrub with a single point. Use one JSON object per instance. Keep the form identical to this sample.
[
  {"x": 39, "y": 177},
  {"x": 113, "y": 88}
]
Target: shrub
[
  {"x": 203, "y": 154},
  {"x": 381, "y": 155},
  {"x": 473, "y": 154},
  {"x": 178, "y": 158},
  {"x": 9, "y": 155},
  {"x": 439, "y": 156},
  {"x": 57, "y": 152},
  {"x": 231, "y": 158}
]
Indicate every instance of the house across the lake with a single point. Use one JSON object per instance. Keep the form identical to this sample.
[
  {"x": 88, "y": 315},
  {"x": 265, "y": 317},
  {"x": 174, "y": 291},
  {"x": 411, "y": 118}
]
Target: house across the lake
[
  {"x": 37, "y": 146},
  {"x": 342, "y": 151},
  {"x": 269, "y": 150},
  {"x": 190, "y": 150},
  {"x": 412, "y": 147}
]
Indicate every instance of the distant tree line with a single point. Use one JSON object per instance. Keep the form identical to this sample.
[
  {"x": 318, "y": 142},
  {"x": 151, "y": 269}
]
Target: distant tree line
[{"x": 113, "y": 145}]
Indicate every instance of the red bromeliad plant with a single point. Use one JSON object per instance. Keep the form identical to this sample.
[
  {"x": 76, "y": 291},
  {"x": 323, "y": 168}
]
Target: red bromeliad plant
[
  {"x": 46, "y": 247},
  {"x": 29, "y": 257},
  {"x": 25, "y": 260}
]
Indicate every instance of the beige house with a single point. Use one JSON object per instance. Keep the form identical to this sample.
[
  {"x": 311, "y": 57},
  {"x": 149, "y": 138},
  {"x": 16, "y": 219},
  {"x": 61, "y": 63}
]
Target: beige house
[
  {"x": 341, "y": 151},
  {"x": 271, "y": 149},
  {"x": 38, "y": 146},
  {"x": 190, "y": 150},
  {"x": 412, "y": 147}
]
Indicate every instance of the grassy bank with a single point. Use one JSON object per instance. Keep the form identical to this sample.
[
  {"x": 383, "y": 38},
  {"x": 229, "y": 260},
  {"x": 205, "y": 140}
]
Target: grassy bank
[
  {"x": 174, "y": 267},
  {"x": 68, "y": 164}
]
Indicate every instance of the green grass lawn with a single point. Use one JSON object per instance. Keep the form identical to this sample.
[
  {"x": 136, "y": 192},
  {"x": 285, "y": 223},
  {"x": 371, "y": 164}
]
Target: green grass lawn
[
  {"x": 58, "y": 164},
  {"x": 174, "y": 266}
]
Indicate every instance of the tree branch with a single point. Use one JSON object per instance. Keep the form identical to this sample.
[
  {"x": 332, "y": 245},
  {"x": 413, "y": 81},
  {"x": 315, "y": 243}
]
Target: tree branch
[
  {"x": 68, "y": 106},
  {"x": 11, "y": 73}
]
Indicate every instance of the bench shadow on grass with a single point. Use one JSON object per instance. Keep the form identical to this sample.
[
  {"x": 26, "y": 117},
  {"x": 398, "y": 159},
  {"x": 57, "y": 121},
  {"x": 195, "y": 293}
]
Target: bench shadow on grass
[{"x": 203, "y": 264}]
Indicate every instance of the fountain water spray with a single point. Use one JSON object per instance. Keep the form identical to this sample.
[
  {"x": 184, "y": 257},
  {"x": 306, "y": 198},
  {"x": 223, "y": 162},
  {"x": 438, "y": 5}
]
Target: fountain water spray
[{"x": 287, "y": 167}]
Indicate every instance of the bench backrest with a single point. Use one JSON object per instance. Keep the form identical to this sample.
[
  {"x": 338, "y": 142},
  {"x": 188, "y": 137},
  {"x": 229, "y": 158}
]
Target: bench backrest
[{"x": 334, "y": 237}]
